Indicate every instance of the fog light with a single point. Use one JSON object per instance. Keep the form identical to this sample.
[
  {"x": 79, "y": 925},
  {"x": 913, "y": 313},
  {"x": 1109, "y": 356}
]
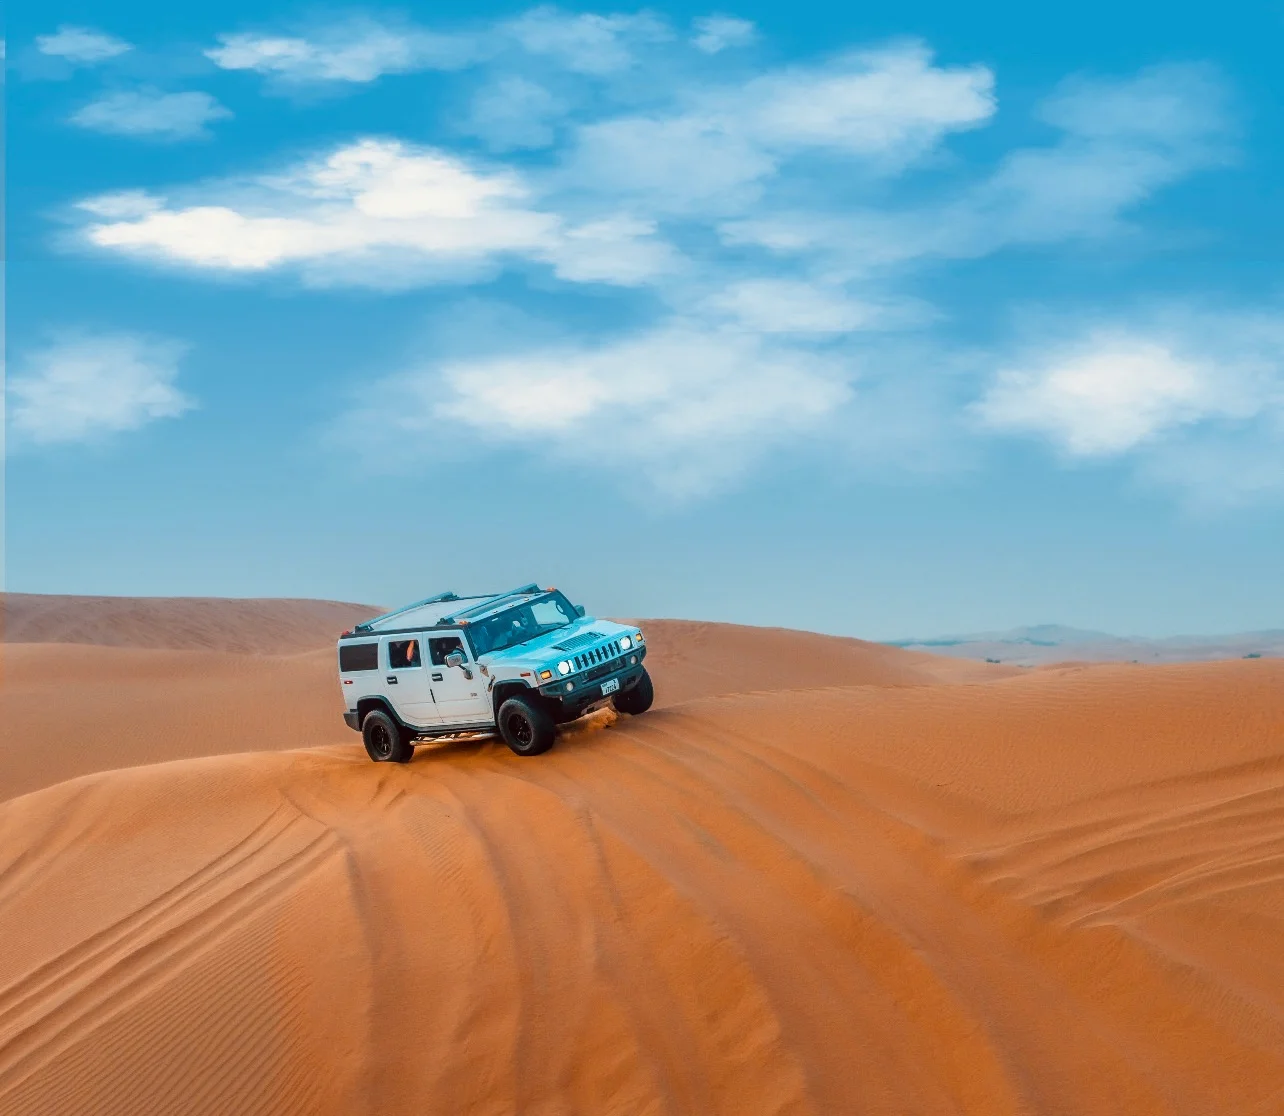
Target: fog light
[
  {"x": 545, "y": 675},
  {"x": 570, "y": 686},
  {"x": 633, "y": 660}
]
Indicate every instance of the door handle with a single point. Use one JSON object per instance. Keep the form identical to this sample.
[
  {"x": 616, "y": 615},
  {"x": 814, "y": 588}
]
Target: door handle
[
  {"x": 392, "y": 680},
  {"x": 436, "y": 678}
]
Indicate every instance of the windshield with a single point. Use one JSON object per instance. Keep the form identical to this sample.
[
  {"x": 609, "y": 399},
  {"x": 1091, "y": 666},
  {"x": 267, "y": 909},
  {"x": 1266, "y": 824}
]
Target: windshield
[{"x": 521, "y": 623}]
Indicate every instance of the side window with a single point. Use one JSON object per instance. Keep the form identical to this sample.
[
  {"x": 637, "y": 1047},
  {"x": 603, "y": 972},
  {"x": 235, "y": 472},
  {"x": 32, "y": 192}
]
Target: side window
[
  {"x": 442, "y": 646},
  {"x": 358, "y": 656},
  {"x": 403, "y": 653}
]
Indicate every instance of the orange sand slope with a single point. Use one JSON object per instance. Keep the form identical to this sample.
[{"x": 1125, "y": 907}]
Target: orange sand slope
[{"x": 1060, "y": 891}]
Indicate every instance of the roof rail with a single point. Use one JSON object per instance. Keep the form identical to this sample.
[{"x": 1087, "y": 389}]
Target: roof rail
[
  {"x": 492, "y": 601},
  {"x": 366, "y": 625}
]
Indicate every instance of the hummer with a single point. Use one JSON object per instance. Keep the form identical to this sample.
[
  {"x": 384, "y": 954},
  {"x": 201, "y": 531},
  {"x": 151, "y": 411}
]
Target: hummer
[{"x": 519, "y": 663}]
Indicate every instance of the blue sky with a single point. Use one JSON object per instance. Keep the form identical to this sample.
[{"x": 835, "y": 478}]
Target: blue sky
[{"x": 883, "y": 322}]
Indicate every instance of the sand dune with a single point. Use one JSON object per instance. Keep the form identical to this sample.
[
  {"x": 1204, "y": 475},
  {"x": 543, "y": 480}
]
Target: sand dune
[
  {"x": 1060, "y": 891},
  {"x": 105, "y": 702}
]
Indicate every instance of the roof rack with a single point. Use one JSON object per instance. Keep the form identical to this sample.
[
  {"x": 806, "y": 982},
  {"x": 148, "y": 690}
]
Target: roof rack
[
  {"x": 366, "y": 625},
  {"x": 454, "y": 617}
]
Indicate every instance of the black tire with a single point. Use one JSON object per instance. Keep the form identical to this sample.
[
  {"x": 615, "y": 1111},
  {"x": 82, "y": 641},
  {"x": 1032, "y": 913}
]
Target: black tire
[
  {"x": 637, "y": 700},
  {"x": 386, "y": 741},
  {"x": 526, "y": 727}
]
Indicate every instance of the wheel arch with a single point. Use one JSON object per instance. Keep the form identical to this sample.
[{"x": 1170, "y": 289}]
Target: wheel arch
[
  {"x": 504, "y": 690},
  {"x": 367, "y": 704}
]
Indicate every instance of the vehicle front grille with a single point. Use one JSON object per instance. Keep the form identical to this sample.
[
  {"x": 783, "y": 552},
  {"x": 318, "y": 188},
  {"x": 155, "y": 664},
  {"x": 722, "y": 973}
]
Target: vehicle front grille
[
  {"x": 604, "y": 669},
  {"x": 597, "y": 655}
]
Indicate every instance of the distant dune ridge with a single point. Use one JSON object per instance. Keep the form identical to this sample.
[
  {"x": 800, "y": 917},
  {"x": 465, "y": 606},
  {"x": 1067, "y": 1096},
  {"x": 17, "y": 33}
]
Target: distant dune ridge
[
  {"x": 267, "y": 626},
  {"x": 822, "y": 876},
  {"x": 1040, "y": 644}
]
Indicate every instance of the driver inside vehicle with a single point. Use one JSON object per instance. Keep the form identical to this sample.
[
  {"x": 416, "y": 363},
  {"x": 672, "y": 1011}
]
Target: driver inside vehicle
[{"x": 442, "y": 646}]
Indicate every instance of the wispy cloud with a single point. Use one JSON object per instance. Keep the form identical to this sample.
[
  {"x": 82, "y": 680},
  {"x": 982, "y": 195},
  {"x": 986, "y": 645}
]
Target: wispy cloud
[
  {"x": 361, "y": 50},
  {"x": 687, "y": 404},
  {"x": 356, "y": 51},
  {"x": 81, "y": 45},
  {"x": 584, "y": 43},
  {"x": 1121, "y": 141},
  {"x": 86, "y": 386},
  {"x": 151, "y": 114},
  {"x": 719, "y": 32}
]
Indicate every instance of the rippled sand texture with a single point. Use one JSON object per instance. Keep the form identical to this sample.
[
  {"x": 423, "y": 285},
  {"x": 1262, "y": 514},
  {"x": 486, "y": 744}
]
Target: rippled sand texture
[{"x": 1054, "y": 892}]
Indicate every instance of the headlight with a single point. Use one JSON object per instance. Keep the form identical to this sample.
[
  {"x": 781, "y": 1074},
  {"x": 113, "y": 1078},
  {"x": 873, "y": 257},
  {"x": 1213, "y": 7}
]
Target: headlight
[
  {"x": 564, "y": 667},
  {"x": 625, "y": 643}
]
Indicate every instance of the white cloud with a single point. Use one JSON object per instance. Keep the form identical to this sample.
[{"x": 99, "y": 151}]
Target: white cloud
[
  {"x": 373, "y": 212},
  {"x": 150, "y": 113},
  {"x": 717, "y": 33},
  {"x": 81, "y": 45},
  {"x": 893, "y": 101},
  {"x": 87, "y": 386},
  {"x": 1120, "y": 390},
  {"x": 687, "y": 404},
  {"x": 358, "y": 51},
  {"x": 1104, "y": 398},
  {"x": 584, "y": 43}
]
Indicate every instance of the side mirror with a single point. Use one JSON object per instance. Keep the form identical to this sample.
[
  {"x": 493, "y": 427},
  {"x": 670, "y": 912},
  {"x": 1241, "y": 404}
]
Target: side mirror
[
  {"x": 579, "y": 610},
  {"x": 456, "y": 659}
]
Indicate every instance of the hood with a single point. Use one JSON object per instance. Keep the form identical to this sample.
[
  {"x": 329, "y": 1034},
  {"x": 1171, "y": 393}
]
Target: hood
[{"x": 547, "y": 649}]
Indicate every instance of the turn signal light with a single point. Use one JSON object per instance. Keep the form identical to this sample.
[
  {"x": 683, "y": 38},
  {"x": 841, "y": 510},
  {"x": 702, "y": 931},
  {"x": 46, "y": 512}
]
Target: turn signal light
[{"x": 545, "y": 675}]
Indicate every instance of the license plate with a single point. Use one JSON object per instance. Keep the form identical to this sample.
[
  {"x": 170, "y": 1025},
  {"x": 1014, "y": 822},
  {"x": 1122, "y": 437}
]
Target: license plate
[{"x": 610, "y": 687}]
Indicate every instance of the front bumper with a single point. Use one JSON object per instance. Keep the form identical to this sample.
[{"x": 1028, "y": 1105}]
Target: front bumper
[{"x": 589, "y": 692}]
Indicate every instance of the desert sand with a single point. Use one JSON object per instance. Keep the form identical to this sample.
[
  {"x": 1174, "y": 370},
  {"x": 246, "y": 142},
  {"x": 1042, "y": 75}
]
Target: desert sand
[{"x": 821, "y": 876}]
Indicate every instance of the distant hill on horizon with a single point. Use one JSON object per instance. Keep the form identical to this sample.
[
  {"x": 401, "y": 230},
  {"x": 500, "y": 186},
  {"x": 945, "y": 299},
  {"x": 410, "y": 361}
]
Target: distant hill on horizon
[{"x": 1038, "y": 644}]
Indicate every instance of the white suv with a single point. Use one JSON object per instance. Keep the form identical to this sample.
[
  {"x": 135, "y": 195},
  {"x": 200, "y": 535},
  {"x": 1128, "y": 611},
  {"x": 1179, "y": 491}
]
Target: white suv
[{"x": 520, "y": 662}]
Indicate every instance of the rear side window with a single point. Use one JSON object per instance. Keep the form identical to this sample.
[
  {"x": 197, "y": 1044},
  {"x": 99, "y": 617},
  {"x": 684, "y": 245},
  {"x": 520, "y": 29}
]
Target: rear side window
[
  {"x": 358, "y": 656},
  {"x": 403, "y": 653}
]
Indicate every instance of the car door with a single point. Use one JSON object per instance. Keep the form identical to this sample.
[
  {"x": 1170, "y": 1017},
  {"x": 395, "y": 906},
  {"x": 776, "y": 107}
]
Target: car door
[
  {"x": 407, "y": 684},
  {"x": 461, "y": 699}
]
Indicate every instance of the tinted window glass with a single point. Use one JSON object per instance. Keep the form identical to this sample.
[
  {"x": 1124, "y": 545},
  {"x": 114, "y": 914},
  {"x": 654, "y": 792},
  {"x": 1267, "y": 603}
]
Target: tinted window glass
[
  {"x": 551, "y": 613},
  {"x": 442, "y": 646},
  {"x": 403, "y": 653},
  {"x": 358, "y": 656}
]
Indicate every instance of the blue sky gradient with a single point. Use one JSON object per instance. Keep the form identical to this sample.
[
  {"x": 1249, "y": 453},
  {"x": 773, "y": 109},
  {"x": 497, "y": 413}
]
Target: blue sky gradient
[{"x": 884, "y": 323}]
